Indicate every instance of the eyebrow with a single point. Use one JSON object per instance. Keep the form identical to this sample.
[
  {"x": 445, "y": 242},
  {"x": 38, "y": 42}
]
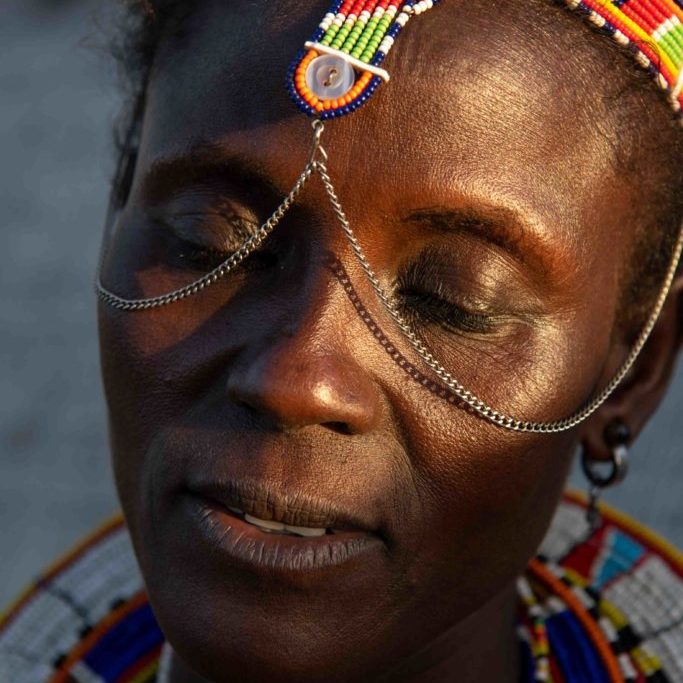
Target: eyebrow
[
  {"x": 503, "y": 227},
  {"x": 206, "y": 162},
  {"x": 203, "y": 164}
]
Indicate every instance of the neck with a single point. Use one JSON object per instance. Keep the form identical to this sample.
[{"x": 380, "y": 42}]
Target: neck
[{"x": 483, "y": 648}]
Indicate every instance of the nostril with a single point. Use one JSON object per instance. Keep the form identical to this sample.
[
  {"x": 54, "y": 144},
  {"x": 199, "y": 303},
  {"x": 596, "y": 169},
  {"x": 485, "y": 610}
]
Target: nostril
[
  {"x": 339, "y": 427},
  {"x": 244, "y": 404},
  {"x": 289, "y": 388}
]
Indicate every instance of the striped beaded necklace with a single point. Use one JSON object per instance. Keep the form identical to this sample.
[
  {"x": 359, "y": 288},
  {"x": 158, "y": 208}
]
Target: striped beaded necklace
[{"x": 573, "y": 634}]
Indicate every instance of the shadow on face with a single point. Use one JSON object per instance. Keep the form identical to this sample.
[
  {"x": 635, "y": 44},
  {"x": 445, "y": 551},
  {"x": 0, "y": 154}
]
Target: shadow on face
[{"x": 489, "y": 205}]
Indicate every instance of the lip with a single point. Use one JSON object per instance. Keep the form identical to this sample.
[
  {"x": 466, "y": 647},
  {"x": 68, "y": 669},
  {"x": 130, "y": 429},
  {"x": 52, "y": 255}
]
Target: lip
[
  {"x": 251, "y": 549},
  {"x": 271, "y": 555},
  {"x": 294, "y": 509}
]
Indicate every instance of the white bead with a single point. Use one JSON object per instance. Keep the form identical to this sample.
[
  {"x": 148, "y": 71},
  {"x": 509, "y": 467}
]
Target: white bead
[
  {"x": 597, "y": 19},
  {"x": 643, "y": 60},
  {"x": 423, "y": 6},
  {"x": 386, "y": 45},
  {"x": 330, "y": 77},
  {"x": 621, "y": 38}
]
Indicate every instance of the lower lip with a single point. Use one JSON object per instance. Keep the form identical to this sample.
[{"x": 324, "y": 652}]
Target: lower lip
[{"x": 262, "y": 552}]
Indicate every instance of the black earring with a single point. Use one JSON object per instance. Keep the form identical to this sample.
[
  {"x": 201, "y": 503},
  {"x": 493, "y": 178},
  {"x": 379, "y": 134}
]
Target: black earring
[{"x": 617, "y": 435}]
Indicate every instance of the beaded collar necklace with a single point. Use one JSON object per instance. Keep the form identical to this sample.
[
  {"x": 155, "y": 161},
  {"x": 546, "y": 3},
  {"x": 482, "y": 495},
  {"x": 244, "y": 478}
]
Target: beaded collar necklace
[
  {"x": 342, "y": 66},
  {"x": 593, "y": 639}
]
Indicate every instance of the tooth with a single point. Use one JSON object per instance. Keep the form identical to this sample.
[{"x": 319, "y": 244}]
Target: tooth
[
  {"x": 237, "y": 510},
  {"x": 265, "y": 523},
  {"x": 305, "y": 530}
]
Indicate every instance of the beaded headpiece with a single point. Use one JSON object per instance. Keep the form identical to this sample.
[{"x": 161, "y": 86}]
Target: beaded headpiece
[
  {"x": 340, "y": 68},
  {"x": 341, "y": 65},
  {"x": 651, "y": 29}
]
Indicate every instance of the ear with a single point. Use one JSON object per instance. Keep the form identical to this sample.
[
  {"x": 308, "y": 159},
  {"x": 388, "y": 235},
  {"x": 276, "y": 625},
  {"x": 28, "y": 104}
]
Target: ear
[{"x": 643, "y": 388}]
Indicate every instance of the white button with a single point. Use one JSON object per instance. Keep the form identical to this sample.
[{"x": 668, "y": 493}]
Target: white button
[{"x": 330, "y": 77}]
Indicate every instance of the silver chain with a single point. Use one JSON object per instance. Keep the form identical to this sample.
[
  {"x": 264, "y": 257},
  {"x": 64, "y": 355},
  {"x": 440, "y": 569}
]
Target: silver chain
[
  {"x": 250, "y": 245},
  {"x": 317, "y": 164},
  {"x": 482, "y": 408}
]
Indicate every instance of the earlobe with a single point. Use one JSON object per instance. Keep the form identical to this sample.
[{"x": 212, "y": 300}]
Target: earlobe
[
  {"x": 644, "y": 387},
  {"x": 617, "y": 437}
]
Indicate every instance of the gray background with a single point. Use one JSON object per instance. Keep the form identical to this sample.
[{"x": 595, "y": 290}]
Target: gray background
[{"x": 57, "y": 102}]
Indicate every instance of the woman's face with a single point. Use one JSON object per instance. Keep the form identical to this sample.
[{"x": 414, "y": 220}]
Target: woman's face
[{"x": 487, "y": 201}]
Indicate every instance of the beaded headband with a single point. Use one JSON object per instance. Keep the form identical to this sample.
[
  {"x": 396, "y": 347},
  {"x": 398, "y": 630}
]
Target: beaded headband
[
  {"x": 651, "y": 29},
  {"x": 340, "y": 68}
]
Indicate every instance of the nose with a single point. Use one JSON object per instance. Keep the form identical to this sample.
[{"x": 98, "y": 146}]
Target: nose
[{"x": 297, "y": 377}]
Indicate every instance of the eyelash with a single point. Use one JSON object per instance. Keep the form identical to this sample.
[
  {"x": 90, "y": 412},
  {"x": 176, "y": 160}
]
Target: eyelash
[
  {"x": 197, "y": 256},
  {"x": 422, "y": 303},
  {"x": 202, "y": 257}
]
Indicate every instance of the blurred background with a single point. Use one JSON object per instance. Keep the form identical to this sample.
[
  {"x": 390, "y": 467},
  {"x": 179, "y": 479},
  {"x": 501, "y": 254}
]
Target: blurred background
[{"x": 57, "y": 103}]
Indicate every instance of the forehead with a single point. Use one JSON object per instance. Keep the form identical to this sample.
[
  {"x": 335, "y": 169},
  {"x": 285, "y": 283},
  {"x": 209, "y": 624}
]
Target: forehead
[{"x": 485, "y": 98}]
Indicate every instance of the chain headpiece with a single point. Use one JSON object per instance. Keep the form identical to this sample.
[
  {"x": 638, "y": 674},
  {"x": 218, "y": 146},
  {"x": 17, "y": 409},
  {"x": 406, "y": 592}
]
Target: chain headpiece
[{"x": 339, "y": 69}]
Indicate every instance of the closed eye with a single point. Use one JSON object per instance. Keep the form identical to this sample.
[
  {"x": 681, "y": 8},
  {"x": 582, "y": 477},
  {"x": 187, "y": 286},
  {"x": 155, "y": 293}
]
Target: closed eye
[{"x": 425, "y": 308}]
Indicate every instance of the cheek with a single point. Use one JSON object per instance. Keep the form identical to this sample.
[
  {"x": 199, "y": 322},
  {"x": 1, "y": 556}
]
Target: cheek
[
  {"x": 144, "y": 358},
  {"x": 487, "y": 497}
]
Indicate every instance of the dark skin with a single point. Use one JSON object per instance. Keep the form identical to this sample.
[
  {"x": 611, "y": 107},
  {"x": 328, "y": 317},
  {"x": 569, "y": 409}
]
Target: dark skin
[{"x": 270, "y": 373}]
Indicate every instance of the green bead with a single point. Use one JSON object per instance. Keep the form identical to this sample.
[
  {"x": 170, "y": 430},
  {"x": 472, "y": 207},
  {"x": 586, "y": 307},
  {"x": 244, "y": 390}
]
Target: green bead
[
  {"x": 352, "y": 39},
  {"x": 329, "y": 36}
]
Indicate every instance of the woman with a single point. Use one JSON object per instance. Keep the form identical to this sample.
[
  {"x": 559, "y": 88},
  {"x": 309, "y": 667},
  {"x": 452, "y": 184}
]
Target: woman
[{"x": 311, "y": 493}]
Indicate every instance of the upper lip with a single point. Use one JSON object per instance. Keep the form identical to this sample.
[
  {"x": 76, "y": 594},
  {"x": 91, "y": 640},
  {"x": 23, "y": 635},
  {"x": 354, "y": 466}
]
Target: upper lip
[{"x": 292, "y": 508}]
